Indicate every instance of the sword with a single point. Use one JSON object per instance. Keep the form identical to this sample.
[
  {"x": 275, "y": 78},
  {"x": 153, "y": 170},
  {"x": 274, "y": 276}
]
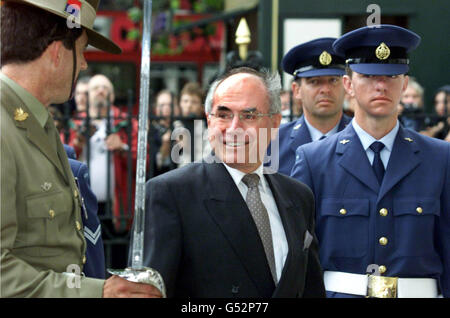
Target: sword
[{"x": 137, "y": 272}]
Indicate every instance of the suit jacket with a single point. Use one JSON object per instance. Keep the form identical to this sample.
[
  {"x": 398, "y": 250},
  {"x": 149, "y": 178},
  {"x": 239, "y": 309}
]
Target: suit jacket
[
  {"x": 291, "y": 136},
  {"x": 95, "y": 254},
  {"x": 415, "y": 191},
  {"x": 200, "y": 235},
  {"x": 40, "y": 211}
]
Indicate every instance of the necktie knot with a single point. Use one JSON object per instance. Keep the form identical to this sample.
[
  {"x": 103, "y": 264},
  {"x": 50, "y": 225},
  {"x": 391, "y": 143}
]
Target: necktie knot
[
  {"x": 251, "y": 180},
  {"x": 376, "y": 146}
]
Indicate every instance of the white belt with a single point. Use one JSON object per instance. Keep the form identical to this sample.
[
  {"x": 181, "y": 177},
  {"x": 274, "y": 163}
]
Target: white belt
[{"x": 356, "y": 284}]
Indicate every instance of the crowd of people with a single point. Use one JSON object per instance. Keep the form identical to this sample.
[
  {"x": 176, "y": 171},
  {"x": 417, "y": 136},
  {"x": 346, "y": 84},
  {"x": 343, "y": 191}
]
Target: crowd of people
[{"x": 354, "y": 183}]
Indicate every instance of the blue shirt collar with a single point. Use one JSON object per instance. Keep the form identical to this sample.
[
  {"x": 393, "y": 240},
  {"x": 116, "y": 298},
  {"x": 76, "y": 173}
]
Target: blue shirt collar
[
  {"x": 316, "y": 134},
  {"x": 367, "y": 139}
]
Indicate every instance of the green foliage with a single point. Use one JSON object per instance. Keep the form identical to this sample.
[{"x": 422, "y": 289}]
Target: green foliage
[
  {"x": 161, "y": 42},
  {"x": 135, "y": 14}
]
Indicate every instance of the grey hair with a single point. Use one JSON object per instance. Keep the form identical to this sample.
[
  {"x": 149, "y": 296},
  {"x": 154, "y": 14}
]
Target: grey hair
[{"x": 271, "y": 81}]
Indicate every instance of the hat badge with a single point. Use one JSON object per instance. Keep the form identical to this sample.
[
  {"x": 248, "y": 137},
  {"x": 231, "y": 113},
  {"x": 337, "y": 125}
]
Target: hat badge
[
  {"x": 382, "y": 52},
  {"x": 325, "y": 58},
  {"x": 20, "y": 115}
]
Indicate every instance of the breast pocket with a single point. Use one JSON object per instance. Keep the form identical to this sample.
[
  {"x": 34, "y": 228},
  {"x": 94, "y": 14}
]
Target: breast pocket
[
  {"x": 343, "y": 227},
  {"x": 46, "y": 213},
  {"x": 415, "y": 221}
]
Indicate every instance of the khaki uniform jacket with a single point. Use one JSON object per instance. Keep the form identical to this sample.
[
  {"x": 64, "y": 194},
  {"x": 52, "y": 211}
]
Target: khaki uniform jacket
[{"x": 41, "y": 226}]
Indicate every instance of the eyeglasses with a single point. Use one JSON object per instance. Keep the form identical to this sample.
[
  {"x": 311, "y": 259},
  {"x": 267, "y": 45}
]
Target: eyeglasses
[{"x": 246, "y": 117}]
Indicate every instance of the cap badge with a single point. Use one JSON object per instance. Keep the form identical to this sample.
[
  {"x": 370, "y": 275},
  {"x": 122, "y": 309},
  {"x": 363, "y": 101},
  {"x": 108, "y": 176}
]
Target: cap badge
[
  {"x": 73, "y": 7},
  {"x": 382, "y": 52},
  {"x": 20, "y": 115},
  {"x": 325, "y": 58}
]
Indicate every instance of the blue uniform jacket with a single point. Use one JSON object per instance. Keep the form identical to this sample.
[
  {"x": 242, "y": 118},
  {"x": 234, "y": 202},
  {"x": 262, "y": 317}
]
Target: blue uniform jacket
[
  {"x": 291, "y": 136},
  {"x": 95, "y": 256},
  {"x": 70, "y": 152},
  {"x": 417, "y": 176}
]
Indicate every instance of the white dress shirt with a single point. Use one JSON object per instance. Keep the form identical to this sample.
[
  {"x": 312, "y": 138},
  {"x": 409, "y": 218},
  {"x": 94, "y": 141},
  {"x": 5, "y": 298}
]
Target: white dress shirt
[
  {"x": 98, "y": 164},
  {"x": 367, "y": 139},
  {"x": 280, "y": 246}
]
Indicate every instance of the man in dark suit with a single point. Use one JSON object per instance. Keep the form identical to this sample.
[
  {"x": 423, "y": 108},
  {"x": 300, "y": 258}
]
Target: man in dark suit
[
  {"x": 382, "y": 191},
  {"x": 317, "y": 72},
  {"x": 209, "y": 233}
]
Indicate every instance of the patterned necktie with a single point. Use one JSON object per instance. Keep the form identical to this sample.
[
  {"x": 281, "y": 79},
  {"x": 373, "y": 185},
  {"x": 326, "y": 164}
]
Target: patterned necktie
[
  {"x": 261, "y": 218},
  {"x": 377, "y": 164}
]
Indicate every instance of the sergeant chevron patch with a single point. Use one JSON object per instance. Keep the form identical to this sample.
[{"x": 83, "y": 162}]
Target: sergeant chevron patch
[{"x": 93, "y": 236}]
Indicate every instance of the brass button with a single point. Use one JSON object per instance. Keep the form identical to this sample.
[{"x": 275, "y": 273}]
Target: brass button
[
  {"x": 84, "y": 259},
  {"x": 383, "y": 212},
  {"x": 343, "y": 211},
  {"x": 383, "y": 241},
  {"x": 382, "y": 269},
  {"x": 419, "y": 210},
  {"x": 51, "y": 213},
  {"x": 78, "y": 225},
  {"x": 75, "y": 193}
]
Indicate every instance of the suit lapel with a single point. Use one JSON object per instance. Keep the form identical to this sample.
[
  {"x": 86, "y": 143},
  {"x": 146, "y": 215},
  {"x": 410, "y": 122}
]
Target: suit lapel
[
  {"x": 286, "y": 209},
  {"x": 299, "y": 134},
  {"x": 354, "y": 159},
  {"x": 34, "y": 131},
  {"x": 229, "y": 211},
  {"x": 404, "y": 148}
]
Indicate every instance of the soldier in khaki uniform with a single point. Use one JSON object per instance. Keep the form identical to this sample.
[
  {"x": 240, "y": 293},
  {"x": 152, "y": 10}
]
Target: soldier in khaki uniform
[{"x": 41, "y": 227}]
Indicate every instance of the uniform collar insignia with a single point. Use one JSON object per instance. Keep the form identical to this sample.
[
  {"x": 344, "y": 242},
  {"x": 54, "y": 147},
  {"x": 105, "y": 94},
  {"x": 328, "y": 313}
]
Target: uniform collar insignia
[
  {"x": 20, "y": 115},
  {"x": 409, "y": 139},
  {"x": 344, "y": 141},
  {"x": 46, "y": 186},
  {"x": 297, "y": 126}
]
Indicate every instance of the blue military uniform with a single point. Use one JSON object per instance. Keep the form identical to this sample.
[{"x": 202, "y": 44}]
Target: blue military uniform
[
  {"x": 310, "y": 59},
  {"x": 291, "y": 136},
  {"x": 399, "y": 228},
  {"x": 70, "y": 152},
  {"x": 95, "y": 256}
]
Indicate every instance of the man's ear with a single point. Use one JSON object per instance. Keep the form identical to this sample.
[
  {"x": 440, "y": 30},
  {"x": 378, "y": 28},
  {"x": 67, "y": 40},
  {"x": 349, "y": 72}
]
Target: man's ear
[
  {"x": 54, "y": 53},
  {"x": 296, "y": 91},
  {"x": 348, "y": 86},
  {"x": 405, "y": 83}
]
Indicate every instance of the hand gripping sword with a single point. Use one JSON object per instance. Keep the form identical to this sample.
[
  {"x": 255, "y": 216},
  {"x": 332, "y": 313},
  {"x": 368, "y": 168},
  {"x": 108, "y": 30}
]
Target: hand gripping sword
[{"x": 137, "y": 272}]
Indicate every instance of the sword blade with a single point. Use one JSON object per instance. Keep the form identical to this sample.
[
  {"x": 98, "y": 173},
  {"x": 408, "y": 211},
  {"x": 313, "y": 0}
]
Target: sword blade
[{"x": 139, "y": 204}]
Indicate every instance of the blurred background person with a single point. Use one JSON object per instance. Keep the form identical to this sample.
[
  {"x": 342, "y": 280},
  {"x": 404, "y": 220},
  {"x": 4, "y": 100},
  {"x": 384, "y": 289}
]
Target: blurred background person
[
  {"x": 112, "y": 150},
  {"x": 166, "y": 108},
  {"x": 411, "y": 107},
  {"x": 81, "y": 95},
  {"x": 194, "y": 120},
  {"x": 438, "y": 124},
  {"x": 286, "y": 99}
]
